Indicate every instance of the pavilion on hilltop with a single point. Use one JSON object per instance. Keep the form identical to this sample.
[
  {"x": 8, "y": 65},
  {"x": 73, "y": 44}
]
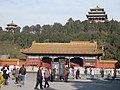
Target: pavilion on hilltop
[
  {"x": 97, "y": 14},
  {"x": 11, "y": 26}
]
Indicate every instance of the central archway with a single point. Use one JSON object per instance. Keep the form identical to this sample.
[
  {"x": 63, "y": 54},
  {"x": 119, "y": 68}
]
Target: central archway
[
  {"x": 76, "y": 62},
  {"x": 46, "y": 62}
]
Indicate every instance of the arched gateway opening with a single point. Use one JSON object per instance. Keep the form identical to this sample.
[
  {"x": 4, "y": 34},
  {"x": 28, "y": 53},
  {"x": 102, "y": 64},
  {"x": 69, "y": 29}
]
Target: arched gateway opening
[
  {"x": 76, "y": 62},
  {"x": 46, "y": 62}
]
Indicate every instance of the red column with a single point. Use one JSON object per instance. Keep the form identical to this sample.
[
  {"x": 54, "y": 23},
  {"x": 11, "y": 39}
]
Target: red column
[
  {"x": 64, "y": 72},
  {"x": 96, "y": 63},
  {"x": 27, "y": 61},
  {"x": 84, "y": 61}
]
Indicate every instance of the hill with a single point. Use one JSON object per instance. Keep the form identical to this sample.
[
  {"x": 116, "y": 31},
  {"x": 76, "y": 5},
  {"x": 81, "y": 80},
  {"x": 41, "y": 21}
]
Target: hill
[{"x": 106, "y": 34}]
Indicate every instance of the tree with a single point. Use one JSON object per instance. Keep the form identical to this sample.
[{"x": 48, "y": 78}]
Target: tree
[
  {"x": 117, "y": 64},
  {"x": 1, "y": 29},
  {"x": 38, "y": 28},
  {"x": 70, "y": 20},
  {"x": 26, "y": 29},
  {"x": 106, "y": 34},
  {"x": 57, "y": 28},
  {"x": 17, "y": 30}
]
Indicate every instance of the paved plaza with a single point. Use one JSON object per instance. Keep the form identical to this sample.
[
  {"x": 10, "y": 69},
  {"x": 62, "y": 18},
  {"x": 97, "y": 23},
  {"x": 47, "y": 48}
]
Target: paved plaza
[{"x": 73, "y": 84}]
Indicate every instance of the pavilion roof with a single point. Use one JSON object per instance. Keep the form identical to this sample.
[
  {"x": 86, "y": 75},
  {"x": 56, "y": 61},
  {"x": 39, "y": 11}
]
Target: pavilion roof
[
  {"x": 12, "y": 24},
  {"x": 97, "y": 15},
  {"x": 97, "y": 8},
  {"x": 81, "y": 47},
  {"x": 10, "y": 27}
]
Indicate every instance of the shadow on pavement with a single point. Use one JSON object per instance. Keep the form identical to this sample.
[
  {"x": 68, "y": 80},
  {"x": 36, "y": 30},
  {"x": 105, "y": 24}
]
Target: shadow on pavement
[{"x": 96, "y": 84}]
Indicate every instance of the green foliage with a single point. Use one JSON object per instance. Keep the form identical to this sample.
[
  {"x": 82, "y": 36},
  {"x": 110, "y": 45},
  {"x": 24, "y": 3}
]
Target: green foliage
[
  {"x": 117, "y": 64},
  {"x": 106, "y": 34},
  {"x": 1, "y": 29},
  {"x": 10, "y": 49}
]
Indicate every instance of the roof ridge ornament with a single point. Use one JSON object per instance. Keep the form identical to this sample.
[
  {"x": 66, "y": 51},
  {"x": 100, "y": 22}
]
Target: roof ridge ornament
[{"x": 97, "y": 6}]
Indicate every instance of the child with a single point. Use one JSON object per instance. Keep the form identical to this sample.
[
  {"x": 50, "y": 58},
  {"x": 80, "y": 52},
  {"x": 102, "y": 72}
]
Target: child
[
  {"x": 13, "y": 73},
  {"x": 19, "y": 81},
  {"x": 5, "y": 76}
]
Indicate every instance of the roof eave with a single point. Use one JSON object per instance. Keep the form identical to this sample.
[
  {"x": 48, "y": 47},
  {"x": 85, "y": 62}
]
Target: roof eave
[{"x": 62, "y": 53}]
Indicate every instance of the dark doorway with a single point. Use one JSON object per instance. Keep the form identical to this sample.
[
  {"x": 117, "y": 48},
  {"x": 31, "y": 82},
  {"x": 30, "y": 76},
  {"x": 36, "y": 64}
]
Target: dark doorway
[
  {"x": 61, "y": 59},
  {"x": 76, "y": 61},
  {"x": 46, "y": 62}
]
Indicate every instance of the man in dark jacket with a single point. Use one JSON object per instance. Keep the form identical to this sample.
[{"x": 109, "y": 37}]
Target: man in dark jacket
[
  {"x": 22, "y": 71},
  {"x": 39, "y": 79}
]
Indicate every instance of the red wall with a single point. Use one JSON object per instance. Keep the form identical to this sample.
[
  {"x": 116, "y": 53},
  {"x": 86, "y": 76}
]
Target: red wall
[
  {"x": 97, "y": 64},
  {"x": 35, "y": 61},
  {"x": 104, "y": 65},
  {"x": 11, "y": 63}
]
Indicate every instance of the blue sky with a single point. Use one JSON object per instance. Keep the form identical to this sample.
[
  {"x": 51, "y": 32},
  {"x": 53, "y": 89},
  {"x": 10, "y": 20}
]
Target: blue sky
[{"x": 32, "y": 12}]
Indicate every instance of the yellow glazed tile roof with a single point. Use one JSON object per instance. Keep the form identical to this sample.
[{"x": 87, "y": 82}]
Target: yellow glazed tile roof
[
  {"x": 81, "y": 47},
  {"x": 108, "y": 61}
]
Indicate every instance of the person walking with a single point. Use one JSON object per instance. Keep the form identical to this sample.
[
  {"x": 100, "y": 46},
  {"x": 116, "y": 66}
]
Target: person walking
[
  {"x": 67, "y": 74},
  {"x": 22, "y": 72},
  {"x": 16, "y": 75},
  {"x": 46, "y": 77},
  {"x": 78, "y": 74},
  {"x": 53, "y": 74},
  {"x": 102, "y": 72},
  {"x": 86, "y": 72},
  {"x": 73, "y": 72},
  {"x": 91, "y": 71},
  {"x": 39, "y": 79},
  {"x": 6, "y": 75},
  {"x": 13, "y": 73}
]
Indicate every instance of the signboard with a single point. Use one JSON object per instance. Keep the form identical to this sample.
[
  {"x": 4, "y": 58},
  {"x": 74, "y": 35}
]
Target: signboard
[{"x": 59, "y": 68}]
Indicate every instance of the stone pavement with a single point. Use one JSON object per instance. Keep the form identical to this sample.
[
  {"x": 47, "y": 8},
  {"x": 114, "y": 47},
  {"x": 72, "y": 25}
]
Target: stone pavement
[{"x": 73, "y": 84}]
